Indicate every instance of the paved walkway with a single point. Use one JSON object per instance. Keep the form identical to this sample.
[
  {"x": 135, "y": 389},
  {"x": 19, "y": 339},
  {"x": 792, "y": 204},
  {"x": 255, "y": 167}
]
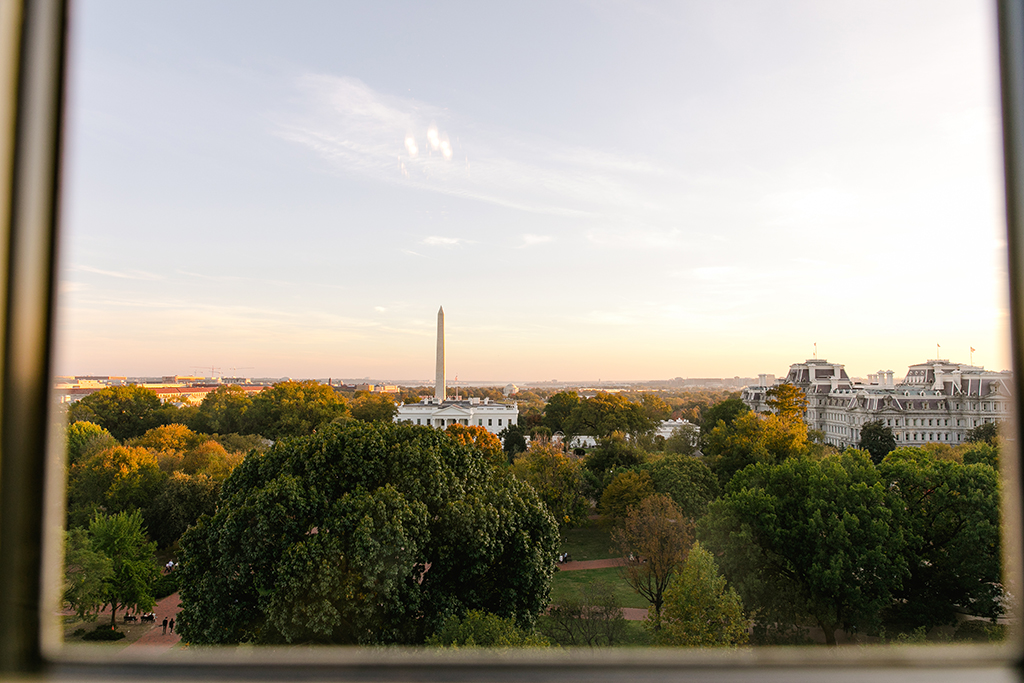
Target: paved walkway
[
  {"x": 592, "y": 564},
  {"x": 154, "y": 640}
]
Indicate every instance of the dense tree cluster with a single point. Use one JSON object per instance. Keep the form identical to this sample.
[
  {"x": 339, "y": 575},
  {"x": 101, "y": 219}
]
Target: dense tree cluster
[{"x": 365, "y": 533}]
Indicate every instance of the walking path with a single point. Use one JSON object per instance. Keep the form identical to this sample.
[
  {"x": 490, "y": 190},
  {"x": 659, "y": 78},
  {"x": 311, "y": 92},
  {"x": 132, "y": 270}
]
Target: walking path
[
  {"x": 154, "y": 640},
  {"x": 592, "y": 564},
  {"x": 629, "y": 613}
]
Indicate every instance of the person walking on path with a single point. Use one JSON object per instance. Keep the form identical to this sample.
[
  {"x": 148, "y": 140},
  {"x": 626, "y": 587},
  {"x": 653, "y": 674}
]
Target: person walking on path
[
  {"x": 165, "y": 626},
  {"x": 172, "y": 624}
]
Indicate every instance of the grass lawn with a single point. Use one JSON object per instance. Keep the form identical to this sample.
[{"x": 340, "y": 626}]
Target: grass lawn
[
  {"x": 587, "y": 543},
  {"x": 633, "y": 633},
  {"x": 567, "y": 585},
  {"x": 74, "y": 629}
]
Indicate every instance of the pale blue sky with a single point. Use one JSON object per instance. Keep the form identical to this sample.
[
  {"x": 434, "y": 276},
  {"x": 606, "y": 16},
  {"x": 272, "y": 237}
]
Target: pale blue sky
[{"x": 619, "y": 190}]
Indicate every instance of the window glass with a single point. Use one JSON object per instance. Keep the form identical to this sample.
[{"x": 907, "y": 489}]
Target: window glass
[{"x": 264, "y": 210}]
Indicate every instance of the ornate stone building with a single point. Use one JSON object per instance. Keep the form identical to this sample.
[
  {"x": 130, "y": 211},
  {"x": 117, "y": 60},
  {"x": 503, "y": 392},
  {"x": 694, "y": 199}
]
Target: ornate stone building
[{"x": 937, "y": 402}]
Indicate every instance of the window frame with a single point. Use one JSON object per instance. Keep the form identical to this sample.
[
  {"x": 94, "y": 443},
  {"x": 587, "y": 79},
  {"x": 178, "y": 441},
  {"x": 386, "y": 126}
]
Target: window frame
[{"x": 32, "y": 59}]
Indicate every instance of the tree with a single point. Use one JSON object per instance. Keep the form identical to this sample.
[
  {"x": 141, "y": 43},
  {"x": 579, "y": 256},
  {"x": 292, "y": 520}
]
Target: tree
[
  {"x": 606, "y": 414},
  {"x": 558, "y": 481},
  {"x": 655, "y": 540},
  {"x": 949, "y": 512},
  {"x": 172, "y": 437},
  {"x": 593, "y": 619},
  {"x": 513, "y": 440},
  {"x": 655, "y": 407},
  {"x": 117, "y": 479},
  {"x": 684, "y": 440},
  {"x": 122, "y": 538},
  {"x": 877, "y": 439},
  {"x": 626, "y": 491},
  {"x": 753, "y": 438},
  {"x": 481, "y": 629},
  {"x": 558, "y": 409},
  {"x": 809, "y": 539},
  {"x": 986, "y": 431},
  {"x": 613, "y": 452},
  {"x": 370, "y": 407},
  {"x": 687, "y": 481},
  {"x": 478, "y": 438},
  {"x": 183, "y": 500},
  {"x": 223, "y": 411},
  {"x": 700, "y": 610},
  {"x": 725, "y": 411},
  {"x": 364, "y": 533},
  {"x": 86, "y": 574},
  {"x": 123, "y": 411},
  {"x": 787, "y": 401},
  {"x": 86, "y": 438},
  {"x": 293, "y": 409}
]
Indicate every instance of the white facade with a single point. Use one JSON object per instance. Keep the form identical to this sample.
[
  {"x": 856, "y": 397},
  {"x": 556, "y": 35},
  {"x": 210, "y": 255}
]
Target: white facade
[
  {"x": 937, "y": 402},
  {"x": 440, "y": 411},
  {"x": 474, "y": 412}
]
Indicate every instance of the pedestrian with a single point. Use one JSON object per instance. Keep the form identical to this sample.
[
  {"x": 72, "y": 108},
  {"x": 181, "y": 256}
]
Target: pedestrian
[
  {"x": 165, "y": 626},
  {"x": 172, "y": 624}
]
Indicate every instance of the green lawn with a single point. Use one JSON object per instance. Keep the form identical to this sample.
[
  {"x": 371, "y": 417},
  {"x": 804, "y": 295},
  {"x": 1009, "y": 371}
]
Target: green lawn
[
  {"x": 591, "y": 542},
  {"x": 568, "y": 584},
  {"x": 634, "y": 634}
]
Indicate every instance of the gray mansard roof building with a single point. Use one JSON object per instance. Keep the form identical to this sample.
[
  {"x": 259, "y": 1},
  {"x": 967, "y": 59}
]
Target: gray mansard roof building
[{"x": 937, "y": 401}]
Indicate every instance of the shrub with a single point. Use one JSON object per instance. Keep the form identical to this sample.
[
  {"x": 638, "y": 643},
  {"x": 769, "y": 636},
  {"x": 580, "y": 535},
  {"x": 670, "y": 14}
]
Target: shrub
[{"x": 103, "y": 633}]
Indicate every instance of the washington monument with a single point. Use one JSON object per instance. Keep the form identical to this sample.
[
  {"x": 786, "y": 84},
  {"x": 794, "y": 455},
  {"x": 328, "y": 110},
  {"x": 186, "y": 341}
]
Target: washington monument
[{"x": 439, "y": 383}]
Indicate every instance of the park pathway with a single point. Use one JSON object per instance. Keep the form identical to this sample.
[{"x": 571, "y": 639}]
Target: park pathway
[
  {"x": 154, "y": 640},
  {"x": 629, "y": 613},
  {"x": 592, "y": 564}
]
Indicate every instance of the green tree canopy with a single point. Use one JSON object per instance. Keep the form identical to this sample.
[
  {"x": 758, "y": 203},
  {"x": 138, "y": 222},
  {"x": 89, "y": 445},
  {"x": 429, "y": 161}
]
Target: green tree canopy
[
  {"x": 949, "y": 512},
  {"x": 809, "y": 539},
  {"x": 753, "y": 438},
  {"x": 364, "y": 533},
  {"x": 613, "y": 452},
  {"x": 182, "y": 501},
  {"x": 87, "y": 573},
  {"x": 557, "y": 479},
  {"x": 117, "y": 479},
  {"x": 877, "y": 439},
  {"x": 294, "y": 409},
  {"x": 223, "y": 411},
  {"x": 686, "y": 480},
  {"x": 787, "y": 401},
  {"x": 700, "y": 609},
  {"x": 122, "y": 538},
  {"x": 605, "y": 414},
  {"x": 987, "y": 432},
  {"x": 371, "y": 407},
  {"x": 655, "y": 407},
  {"x": 684, "y": 440},
  {"x": 626, "y": 490},
  {"x": 85, "y": 438},
  {"x": 558, "y": 409},
  {"x": 655, "y": 540},
  {"x": 123, "y": 411},
  {"x": 724, "y": 411},
  {"x": 482, "y": 629}
]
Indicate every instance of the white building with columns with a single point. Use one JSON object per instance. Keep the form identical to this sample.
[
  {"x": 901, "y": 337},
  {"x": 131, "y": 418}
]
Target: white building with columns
[
  {"x": 440, "y": 411},
  {"x": 937, "y": 402}
]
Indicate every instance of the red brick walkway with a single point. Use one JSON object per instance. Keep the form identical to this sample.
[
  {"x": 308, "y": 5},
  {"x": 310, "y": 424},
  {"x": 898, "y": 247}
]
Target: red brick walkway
[{"x": 154, "y": 639}]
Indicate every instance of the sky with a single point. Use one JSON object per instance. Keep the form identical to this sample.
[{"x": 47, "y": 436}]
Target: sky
[{"x": 593, "y": 190}]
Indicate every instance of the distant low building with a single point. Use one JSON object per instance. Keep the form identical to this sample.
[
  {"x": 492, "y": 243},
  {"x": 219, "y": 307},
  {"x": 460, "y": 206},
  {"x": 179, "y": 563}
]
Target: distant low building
[{"x": 937, "y": 402}]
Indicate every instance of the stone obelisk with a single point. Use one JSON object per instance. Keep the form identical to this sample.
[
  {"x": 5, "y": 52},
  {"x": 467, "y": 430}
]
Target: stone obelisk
[{"x": 439, "y": 383}]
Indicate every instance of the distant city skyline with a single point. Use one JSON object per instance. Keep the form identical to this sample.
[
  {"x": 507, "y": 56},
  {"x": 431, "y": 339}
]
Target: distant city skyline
[{"x": 591, "y": 190}]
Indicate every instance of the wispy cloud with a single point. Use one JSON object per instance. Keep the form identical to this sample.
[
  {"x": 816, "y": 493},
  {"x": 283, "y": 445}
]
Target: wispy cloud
[
  {"x": 438, "y": 241},
  {"x": 533, "y": 240},
  {"x": 125, "y": 274},
  {"x": 404, "y": 141}
]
